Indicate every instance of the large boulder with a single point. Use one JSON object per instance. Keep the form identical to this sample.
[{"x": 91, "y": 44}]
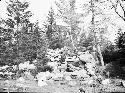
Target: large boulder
[
  {"x": 43, "y": 75},
  {"x": 106, "y": 81},
  {"x": 68, "y": 78},
  {"x": 71, "y": 59},
  {"x": 21, "y": 80},
  {"x": 31, "y": 66},
  {"x": 72, "y": 83},
  {"x": 52, "y": 64},
  {"x": 41, "y": 83},
  {"x": 80, "y": 73},
  {"x": 28, "y": 76},
  {"x": 87, "y": 57},
  {"x": 57, "y": 75},
  {"x": 26, "y": 65},
  {"x": 91, "y": 68},
  {"x": 123, "y": 83}
]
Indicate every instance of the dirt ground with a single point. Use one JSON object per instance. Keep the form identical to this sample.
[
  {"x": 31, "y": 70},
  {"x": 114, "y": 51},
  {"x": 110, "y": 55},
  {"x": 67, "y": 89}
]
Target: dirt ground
[{"x": 56, "y": 87}]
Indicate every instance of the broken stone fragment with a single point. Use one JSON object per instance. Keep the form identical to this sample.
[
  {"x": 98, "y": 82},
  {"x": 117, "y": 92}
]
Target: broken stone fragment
[
  {"x": 106, "y": 81},
  {"x": 41, "y": 83},
  {"x": 68, "y": 78},
  {"x": 21, "y": 80},
  {"x": 123, "y": 83},
  {"x": 28, "y": 76},
  {"x": 72, "y": 83},
  {"x": 81, "y": 90},
  {"x": 87, "y": 57}
]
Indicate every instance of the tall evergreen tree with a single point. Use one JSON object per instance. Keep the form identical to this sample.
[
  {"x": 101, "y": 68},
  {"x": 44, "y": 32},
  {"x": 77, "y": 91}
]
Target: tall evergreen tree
[
  {"x": 52, "y": 31},
  {"x": 50, "y": 25},
  {"x": 26, "y": 36},
  {"x": 7, "y": 47},
  {"x": 18, "y": 21}
]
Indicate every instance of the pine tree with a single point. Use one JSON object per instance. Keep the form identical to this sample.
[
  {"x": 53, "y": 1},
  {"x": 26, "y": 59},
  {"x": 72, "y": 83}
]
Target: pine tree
[
  {"x": 27, "y": 36},
  {"x": 52, "y": 31},
  {"x": 18, "y": 21},
  {"x": 7, "y": 47}
]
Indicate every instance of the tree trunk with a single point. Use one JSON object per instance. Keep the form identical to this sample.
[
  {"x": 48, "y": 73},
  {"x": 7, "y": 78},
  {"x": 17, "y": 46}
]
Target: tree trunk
[
  {"x": 96, "y": 45},
  {"x": 71, "y": 38},
  {"x": 100, "y": 55}
]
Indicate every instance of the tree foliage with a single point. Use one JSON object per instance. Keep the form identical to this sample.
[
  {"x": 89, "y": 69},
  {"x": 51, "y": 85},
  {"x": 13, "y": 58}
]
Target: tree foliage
[
  {"x": 116, "y": 5},
  {"x": 67, "y": 13},
  {"x": 21, "y": 39},
  {"x": 120, "y": 41},
  {"x": 113, "y": 70},
  {"x": 53, "y": 31}
]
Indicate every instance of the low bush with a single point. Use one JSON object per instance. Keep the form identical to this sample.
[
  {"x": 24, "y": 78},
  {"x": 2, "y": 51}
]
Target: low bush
[
  {"x": 33, "y": 72},
  {"x": 44, "y": 68},
  {"x": 113, "y": 70}
]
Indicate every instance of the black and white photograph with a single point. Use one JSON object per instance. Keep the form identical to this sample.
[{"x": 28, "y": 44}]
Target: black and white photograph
[{"x": 62, "y": 46}]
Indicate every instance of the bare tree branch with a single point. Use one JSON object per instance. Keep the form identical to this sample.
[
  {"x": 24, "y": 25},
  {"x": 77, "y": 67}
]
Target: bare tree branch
[
  {"x": 115, "y": 7},
  {"x": 122, "y": 6}
]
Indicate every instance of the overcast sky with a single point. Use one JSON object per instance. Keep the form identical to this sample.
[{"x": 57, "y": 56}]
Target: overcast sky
[{"x": 39, "y": 8}]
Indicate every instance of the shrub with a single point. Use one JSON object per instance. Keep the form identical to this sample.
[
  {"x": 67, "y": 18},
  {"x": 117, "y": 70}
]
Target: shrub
[
  {"x": 44, "y": 68},
  {"x": 33, "y": 72},
  {"x": 114, "y": 70}
]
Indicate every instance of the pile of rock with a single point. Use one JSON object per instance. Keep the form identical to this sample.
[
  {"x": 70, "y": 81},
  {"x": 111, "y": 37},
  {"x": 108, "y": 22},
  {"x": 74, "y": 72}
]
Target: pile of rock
[
  {"x": 26, "y": 65},
  {"x": 55, "y": 56},
  {"x": 7, "y": 71}
]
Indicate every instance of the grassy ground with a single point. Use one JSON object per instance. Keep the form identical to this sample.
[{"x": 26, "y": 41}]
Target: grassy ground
[{"x": 56, "y": 87}]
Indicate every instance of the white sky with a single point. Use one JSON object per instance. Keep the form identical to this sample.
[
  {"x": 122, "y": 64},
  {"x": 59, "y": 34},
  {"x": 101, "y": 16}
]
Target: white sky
[{"x": 40, "y": 10}]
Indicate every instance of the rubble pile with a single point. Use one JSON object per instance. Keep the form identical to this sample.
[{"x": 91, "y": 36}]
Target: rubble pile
[
  {"x": 26, "y": 65},
  {"x": 84, "y": 72},
  {"x": 7, "y": 71},
  {"x": 78, "y": 72}
]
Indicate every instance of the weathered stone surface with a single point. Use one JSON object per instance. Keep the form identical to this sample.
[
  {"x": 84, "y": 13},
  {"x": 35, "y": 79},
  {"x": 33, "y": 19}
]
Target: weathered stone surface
[
  {"x": 28, "y": 76},
  {"x": 87, "y": 57},
  {"x": 68, "y": 78},
  {"x": 123, "y": 82},
  {"x": 72, "y": 83},
  {"x": 80, "y": 73},
  {"x": 106, "y": 81},
  {"x": 21, "y": 80},
  {"x": 41, "y": 83}
]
